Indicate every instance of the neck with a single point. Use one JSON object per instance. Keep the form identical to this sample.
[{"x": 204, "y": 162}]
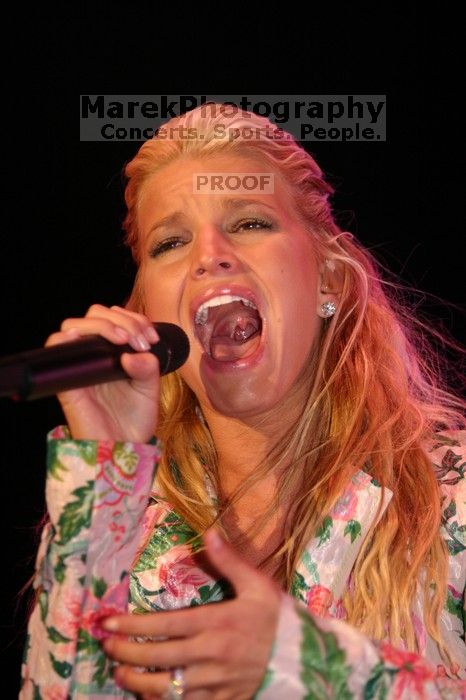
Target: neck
[
  {"x": 243, "y": 444},
  {"x": 241, "y": 449}
]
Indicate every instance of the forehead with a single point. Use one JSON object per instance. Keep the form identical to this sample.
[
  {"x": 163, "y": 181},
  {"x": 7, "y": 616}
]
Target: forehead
[{"x": 221, "y": 178}]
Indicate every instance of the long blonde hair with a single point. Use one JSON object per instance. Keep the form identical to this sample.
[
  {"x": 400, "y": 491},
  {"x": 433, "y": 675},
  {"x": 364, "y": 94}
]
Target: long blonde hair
[{"x": 377, "y": 393}]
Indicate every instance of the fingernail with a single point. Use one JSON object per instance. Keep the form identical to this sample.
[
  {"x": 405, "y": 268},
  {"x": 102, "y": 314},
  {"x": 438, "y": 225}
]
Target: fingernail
[
  {"x": 143, "y": 342},
  {"x": 139, "y": 342},
  {"x": 152, "y": 335},
  {"x": 109, "y": 624},
  {"x": 121, "y": 333}
]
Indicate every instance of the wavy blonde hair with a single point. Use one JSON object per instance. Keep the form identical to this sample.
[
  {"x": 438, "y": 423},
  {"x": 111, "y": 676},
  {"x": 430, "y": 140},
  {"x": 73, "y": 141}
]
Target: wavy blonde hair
[{"x": 377, "y": 392}]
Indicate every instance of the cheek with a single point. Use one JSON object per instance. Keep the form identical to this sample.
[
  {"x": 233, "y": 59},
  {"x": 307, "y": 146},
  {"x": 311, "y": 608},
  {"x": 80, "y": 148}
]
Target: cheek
[
  {"x": 298, "y": 281},
  {"x": 159, "y": 297},
  {"x": 292, "y": 272}
]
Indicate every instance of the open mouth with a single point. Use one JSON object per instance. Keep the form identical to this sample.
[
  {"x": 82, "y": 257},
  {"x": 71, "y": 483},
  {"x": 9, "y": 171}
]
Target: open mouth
[{"x": 229, "y": 331}]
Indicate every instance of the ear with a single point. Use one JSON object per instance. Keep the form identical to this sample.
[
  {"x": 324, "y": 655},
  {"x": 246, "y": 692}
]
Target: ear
[{"x": 330, "y": 283}]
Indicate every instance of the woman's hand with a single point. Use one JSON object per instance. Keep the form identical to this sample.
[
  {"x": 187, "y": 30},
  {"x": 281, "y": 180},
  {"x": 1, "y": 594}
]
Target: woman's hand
[
  {"x": 126, "y": 409},
  {"x": 223, "y": 648}
]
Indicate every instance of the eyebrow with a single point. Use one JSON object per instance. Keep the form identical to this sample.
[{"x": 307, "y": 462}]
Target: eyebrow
[
  {"x": 233, "y": 204},
  {"x": 226, "y": 204}
]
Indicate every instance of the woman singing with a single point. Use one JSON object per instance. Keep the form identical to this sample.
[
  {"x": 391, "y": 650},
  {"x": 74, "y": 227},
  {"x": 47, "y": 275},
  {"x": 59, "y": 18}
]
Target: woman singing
[{"x": 284, "y": 516}]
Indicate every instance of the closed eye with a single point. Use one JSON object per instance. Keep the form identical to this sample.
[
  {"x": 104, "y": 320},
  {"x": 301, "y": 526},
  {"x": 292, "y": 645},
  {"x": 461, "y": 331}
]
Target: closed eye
[
  {"x": 256, "y": 223},
  {"x": 170, "y": 243},
  {"x": 161, "y": 247}
]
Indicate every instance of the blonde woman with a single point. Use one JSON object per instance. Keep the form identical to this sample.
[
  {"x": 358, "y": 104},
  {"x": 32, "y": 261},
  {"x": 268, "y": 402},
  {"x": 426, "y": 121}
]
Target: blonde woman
[{"x": 286, "y": 512}]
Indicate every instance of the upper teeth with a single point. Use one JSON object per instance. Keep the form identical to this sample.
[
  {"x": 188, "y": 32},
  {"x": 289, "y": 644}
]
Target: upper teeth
[{"x": 203, "y": 311}]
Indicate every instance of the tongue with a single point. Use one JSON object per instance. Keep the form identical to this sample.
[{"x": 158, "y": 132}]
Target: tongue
[
  {"x": 227, "y": 350},
  {"x": 236, "y": 332}
]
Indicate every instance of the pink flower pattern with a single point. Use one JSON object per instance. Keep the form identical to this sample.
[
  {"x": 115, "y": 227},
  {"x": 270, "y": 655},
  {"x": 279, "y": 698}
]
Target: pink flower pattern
[
  {"x": 319, "y": 600},
  {"x": 112, "y": 602},
  {"x": 179, "y": 574},
  {"x": 345, "y": 507},
  {"x": 92, "y": 579},
  {"x": 413, "y": 671}
]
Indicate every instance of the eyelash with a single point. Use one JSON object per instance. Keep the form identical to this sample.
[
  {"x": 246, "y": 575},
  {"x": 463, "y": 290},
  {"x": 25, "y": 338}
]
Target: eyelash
[
  {"x": 165, "y": 245},
  {"x": 262, "y": 223}
]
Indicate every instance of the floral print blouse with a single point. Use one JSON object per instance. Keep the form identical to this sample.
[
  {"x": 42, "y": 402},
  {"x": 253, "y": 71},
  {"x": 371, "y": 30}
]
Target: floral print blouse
[{"x": 107, "y": 548}]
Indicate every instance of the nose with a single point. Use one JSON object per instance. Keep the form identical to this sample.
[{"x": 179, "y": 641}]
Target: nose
[{"x": 212, "y": 254}]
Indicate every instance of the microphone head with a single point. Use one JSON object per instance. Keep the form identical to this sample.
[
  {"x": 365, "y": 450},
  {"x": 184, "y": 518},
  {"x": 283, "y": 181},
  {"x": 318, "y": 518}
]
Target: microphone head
[{"x": 176, "y": 342}]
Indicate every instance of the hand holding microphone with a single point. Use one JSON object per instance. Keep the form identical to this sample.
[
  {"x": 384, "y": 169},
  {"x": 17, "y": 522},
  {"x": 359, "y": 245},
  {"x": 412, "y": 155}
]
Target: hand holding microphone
[{"x": 105, "y": 369}]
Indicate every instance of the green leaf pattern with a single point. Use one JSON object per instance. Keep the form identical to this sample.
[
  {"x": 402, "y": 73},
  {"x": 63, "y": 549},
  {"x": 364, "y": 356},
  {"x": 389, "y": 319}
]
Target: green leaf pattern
[
  {"x": 67, "y": 567},
  {"x": 353, "y": 529},
  {"x": 77, "y": 513},
  {"x": 324, "y": 673}
]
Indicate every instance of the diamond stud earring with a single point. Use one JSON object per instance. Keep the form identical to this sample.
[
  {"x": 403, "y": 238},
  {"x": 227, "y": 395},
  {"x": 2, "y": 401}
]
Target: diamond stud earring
[{"x": 328, "y": 308}]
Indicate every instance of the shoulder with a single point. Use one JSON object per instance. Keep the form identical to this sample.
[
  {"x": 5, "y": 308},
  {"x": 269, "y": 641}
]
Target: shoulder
[
  {"x": 447, "y": 439},
  {"x": 447, "y": 452}
]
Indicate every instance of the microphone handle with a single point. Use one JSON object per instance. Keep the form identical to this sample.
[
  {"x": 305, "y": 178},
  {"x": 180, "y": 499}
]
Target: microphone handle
[{"x": 87, "y": 361}]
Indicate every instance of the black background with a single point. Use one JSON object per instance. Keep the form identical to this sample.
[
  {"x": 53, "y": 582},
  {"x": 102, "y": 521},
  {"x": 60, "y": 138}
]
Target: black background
[{"x": 62, "y": 200}]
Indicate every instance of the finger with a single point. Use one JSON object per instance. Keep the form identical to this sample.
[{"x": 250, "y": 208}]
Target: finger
[
  {"x": 206, "y": 650},
  {"x": 62, "y": 337},
  {"x": 95, "y": 326},
  {"x": 203, "y": 676},
  {"x": 150, "y": 684},
  {"x": 117, "y": 330},
  {"x": 135, "y": 324},
  {"x": 243, "y": 576},
  {"x": 161, "y": 654},
  {"x": 140, "y": 366},
  {"x": 133, "y": 314},
  {"x": 173, "y": 623},
  {"x": 138, "y": 322},
  {"x": 200, "y": 695}
]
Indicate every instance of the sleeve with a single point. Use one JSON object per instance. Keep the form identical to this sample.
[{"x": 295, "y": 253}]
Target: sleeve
[
  {"x": 319, "y": 658},
  {"x": 97, "y": 493}
]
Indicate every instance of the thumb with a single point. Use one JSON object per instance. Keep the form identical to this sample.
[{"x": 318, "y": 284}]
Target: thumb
[
  {"x": 231, "y": 565},
  {"x": 140, "y": 365}
]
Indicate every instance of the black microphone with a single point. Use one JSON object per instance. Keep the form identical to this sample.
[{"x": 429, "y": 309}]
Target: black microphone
[{"x": 89, "y": 360}]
